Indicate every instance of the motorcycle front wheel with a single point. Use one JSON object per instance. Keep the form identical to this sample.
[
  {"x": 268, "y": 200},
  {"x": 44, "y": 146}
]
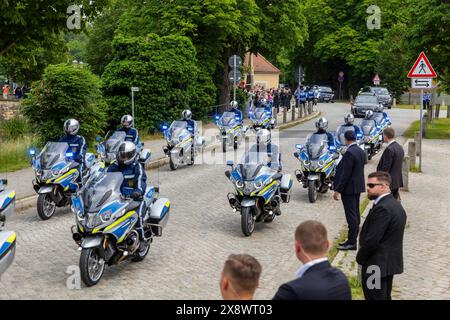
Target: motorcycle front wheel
[
  {"x": 45, "y": 206},
  {"x": 92, "y": 266},
  {"x": 172, "y": 165},
  {"x": 247, "y": 221},
  {"x": 224, "y": 145},
  {"x": 235, "y": 143},
  {"x": 312, "y": 191},
  {"x": 140, "y": 255}
]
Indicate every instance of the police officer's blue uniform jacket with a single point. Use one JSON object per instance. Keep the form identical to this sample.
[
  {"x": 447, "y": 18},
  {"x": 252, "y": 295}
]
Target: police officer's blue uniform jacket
[
  {"x": 77, "y": 145},
  {"x": 131, "y": 134},
  {"x": 301, "y": 96},
  {"x": 191, "y": 125},
  {"x": 310, "y": 95},
  {"x": 134, "y": 177},
  {"x": 331, "y": 139}
]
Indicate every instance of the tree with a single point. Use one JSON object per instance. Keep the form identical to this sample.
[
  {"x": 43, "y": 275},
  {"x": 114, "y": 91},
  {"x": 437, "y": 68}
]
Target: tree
[
  {"x": 167, "y": 73},
  {"x": 66, "y": 91},
  {"x": 29, "y": 23}
]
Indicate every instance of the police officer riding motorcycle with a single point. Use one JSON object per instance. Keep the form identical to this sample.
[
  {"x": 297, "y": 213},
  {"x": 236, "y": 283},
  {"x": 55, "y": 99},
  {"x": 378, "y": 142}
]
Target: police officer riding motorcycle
[{"x": 348, "y": 125}]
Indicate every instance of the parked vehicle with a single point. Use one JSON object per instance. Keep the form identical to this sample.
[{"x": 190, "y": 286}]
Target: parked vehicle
[
  {"x": 363, "y": 103},
  {"x": 7, "y": 238},
  {"x": 325, "y": 94},
  {"x": 106, "y": 224},
  {"x": 384, "y": 97}
]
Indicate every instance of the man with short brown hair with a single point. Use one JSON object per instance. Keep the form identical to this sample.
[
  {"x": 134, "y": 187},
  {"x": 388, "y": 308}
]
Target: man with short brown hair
[
  {"x": 316, "y": 279},
  {"x": 381, "y": 239},
  {"x": 240, "y": 277}
]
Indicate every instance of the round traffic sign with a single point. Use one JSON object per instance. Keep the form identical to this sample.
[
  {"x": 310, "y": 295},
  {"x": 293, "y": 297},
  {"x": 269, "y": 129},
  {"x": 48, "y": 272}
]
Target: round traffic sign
[
  {"x": 235, "y": 61},
  {"x": 235, "y": 76}
]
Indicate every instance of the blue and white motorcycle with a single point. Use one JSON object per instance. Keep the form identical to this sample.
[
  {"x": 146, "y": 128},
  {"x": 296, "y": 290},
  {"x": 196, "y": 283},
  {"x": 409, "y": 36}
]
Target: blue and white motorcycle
[
  {"x": 261, "y": 118},
  {"x": 260, "y": 190},
  {"x": 372, "y": 137},
  {"x": 231, "y": 130},
  {"x": 182, "y": 144},
  {"x": 56, "y": 176},
  {"x": 340, "y": 139},
  {"x": 106, "y": 221},
  {"x": 7, "y": 238},
  {"x": 318, "y": 163}
]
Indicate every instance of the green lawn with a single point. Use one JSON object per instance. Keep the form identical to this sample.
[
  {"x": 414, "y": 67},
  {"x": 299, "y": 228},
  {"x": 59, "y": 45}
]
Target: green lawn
[
  {"x": 440, "y": 129},
  {"x": 13, "y": 154},
  {"x": 411, "y": 106}
]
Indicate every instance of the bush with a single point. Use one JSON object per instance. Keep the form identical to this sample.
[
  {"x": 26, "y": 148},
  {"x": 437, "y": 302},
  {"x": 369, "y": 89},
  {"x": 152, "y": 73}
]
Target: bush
[
  {"x": 167, "y": 73},
  {"x": 66, "y": 91},
  {"x": 14, "y": 128}
]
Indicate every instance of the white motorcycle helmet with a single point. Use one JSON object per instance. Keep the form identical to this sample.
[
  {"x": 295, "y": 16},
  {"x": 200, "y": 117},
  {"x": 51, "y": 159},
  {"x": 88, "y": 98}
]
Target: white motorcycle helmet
[
  {"x": 127, "y": 121},
  {"x": 71, "y": 126},
  {"x": 186, "y": 114},
  {"x": 349, "y": 118},
  {"x": 368, "y": 115},
  {"x": 127, "y": 153},
  {"x": 233, "y": 104},
  {"x": 322, "y": 123}
]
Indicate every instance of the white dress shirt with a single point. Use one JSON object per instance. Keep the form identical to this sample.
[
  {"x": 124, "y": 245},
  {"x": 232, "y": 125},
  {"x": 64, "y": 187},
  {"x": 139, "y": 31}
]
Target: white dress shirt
[{"x": 308, "y": 265}]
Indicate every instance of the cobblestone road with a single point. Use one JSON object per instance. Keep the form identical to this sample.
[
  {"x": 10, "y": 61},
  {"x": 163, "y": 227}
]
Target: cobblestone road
[{"x": 186, "y": 262}]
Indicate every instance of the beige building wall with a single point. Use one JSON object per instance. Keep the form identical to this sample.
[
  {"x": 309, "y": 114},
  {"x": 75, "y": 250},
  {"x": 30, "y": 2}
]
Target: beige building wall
[{"x": 267, "y": 80}]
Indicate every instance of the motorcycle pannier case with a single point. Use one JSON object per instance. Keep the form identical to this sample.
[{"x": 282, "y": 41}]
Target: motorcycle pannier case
[
  {"x": 285, "y": 187},
  {"x": 159, "y": 215}
]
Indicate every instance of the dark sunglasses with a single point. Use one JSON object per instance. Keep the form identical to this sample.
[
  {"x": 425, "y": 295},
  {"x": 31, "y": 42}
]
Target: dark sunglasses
[{"x": 372, "y": 185}]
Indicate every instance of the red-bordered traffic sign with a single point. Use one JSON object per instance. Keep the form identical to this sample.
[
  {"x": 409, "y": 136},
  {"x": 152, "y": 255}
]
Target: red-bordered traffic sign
[{"x": 422, "y": 68}]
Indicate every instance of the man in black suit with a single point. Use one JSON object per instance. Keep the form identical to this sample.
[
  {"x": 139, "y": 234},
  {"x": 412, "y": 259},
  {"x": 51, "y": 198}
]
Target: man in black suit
[
  {"x": 316, "y": 279},
  {"x": 392, "y": 161},
  {"x": 349, "y": 183},
  {"x": 380, "y": 251}
]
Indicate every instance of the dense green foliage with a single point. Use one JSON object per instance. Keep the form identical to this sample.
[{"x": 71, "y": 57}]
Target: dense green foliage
[
  {"x": 166, "y": 71},
  {"x": 66, "y": 91}
]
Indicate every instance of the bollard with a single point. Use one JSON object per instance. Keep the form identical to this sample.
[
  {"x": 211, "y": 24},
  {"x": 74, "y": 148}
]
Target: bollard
[
  {"x": 429, "y": 114},
  {"x": 276, "y": 115},
  {"x": 405, "y": 173},
  {"x": 448, "y": 111},
  {"x": 293, "y": 114},
  {"x": 395, "y": 103},
  {"x": 412, "y": 154},
  {"x": 417, "y": 141},
  {"x": 424, "y": 125},
  {"x": 285, "y": 114},
  {"x": 436, "y": 111}
]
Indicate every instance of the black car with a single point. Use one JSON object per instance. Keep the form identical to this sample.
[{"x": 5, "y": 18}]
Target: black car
[
  {"x": 364, "y": 102},
  {"x": 325, "y": 94},
  {"x": 383, "y": 94}
]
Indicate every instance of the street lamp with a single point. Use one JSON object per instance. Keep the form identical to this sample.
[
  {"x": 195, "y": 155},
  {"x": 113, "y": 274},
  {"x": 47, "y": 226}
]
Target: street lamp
[{"x": 133, "y": 90}]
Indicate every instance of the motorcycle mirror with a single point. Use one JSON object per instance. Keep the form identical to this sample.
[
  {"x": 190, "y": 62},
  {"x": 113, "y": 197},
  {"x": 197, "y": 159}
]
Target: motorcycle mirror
[
  {"x": 228, "y": 174},
  {"x": 296, "y": 154},
  {"x": 98, "y": 139},
  {"x": 4, "y": 181},
  {"x": 2, "y": 219},
  {"x": 277, "y": 176},
  {"x": 230, "y": 163}
]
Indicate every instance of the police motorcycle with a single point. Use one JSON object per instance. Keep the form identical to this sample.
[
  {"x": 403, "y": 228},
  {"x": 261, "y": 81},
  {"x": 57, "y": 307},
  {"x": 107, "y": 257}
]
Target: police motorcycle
[
  {"x": 56, "y": 174},
  {"x": 381, "y": 118},
  {"x": 231, "y": 130},
  {"x": 372, "y": 135},
  {"x": 318, "y": 163},
  {"x": 108, "y": 148},
  {"x": 260, "y": 189},
  {"x": 181, "y": 147},
  {"x": 340, "y": 139},
  {"x": 7, "y": 238},
  {"x": 106, "y": 221}
]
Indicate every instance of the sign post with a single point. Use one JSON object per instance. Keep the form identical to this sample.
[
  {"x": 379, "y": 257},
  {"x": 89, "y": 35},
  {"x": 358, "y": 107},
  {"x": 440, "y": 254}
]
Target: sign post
[
  {"x": 376, "y": 80},
  {"x": 421, "y": 75},
  {"x": 133, "y": 90},
  {"x": 235, "y": 75}
]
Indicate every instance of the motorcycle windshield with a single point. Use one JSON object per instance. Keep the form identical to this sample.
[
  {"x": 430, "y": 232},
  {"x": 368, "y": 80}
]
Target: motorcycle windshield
[
  {"x": 341, "y": 131},
  {"x": 260, "y": 114},
  {"x": 228, "y": 119},
  {"x": 99, "y": 191},
  {"x": 316, "y": 145},
  {"x": 113, "y": 143},
  {"x": 53, "y": 153},
  {"x": 178, "y": 131},
  {"x": 367, "y": 126},
  {"x": 251, "y": 164}
]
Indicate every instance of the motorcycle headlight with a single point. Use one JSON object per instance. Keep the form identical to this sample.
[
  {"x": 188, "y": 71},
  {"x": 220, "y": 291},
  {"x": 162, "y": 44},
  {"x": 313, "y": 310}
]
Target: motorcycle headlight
[
  {"x": 55, "y": 172},
  {"x": 239, "y": 184},
  {"x": 105, "y": 217},
  {"x": 258, "y": 184},
  {"x": 321, "y": 163},
  {"x": 306, "y": 162},
  {"x": 94, "y": 221},
  {"x": 80, "y": 214}
]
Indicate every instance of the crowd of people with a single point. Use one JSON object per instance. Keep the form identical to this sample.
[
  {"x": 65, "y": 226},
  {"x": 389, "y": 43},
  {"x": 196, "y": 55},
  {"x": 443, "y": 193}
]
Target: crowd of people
[{"x": 18, "y": 91}]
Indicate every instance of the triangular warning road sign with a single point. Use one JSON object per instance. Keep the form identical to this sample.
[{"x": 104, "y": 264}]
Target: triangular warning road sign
[{"x": 422, "y": 68}]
